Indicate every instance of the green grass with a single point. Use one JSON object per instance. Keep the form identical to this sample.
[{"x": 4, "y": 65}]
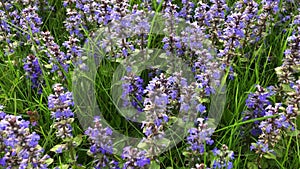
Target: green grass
[{"x": 18, "y": 98}]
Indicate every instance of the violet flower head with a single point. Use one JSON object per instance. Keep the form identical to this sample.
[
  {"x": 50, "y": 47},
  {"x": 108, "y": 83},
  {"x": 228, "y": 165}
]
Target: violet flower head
[
  {"x": 223, "y": 158},
  {"x": 200, "y": 136},
  {"x": 30, "y": 22},
  {"x": 120, "y": 9},
  {"x": 200, "y": 14},
  {"x": 73, "y": 23},
  {"x": 33, "y": 71},
  {"x": 269, "y": 9},
  {"x": 101, "y": 145},
  {"x": 133, "y": 92},
  {"x": 162, "y": 96},
  {"x": 57, "y": 58},
  {"x": 271, "y": 130},
  {"x": 74, "y": 51},
  {"x": 134, "y": 158},
  {"x": 257, "y": 103},
  {"x": 294, "y": 96},
  {"x": 215, "y": 18},
  {"x": 60, "y": 104},
  {"x": 6, "y": 33},
  {"x": 186, "y": 11},
  {"x": 19, "y": 148},
  {"x": 289, "y": 68}
]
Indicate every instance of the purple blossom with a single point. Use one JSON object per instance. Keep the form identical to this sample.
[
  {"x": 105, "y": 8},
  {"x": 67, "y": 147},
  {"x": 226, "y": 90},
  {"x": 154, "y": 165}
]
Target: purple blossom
[
  {"x": 19, "y": 146},
  {"x": 57, "y": 58},
  {"x": 73, "y": 23},
  {"x": 30, "y": 23},
  {"x": 101, "y": 145},
  {"x": 60, "y": 104},
  {"x": 133, "y": 91},
  {"x": 256, "y": 103},
  {"x": 186, "y": 11},
  {"x": 271, "y": 130},
  {"x": 200, "y": 136},
  {"x": 223, "y": 158},
  {"x": 265, "y": 18},
  {"x": 134, "y": 158},
  {"x": 33, "y": 71},
  {"x": 289, "y": 68}
]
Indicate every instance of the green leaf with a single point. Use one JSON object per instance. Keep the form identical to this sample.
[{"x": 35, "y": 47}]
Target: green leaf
[
  {"x": 287, "y": 88},
  {"x": 56, "y": 147},
  {"x": 252, "y": 165},
  {"x": 298, "y": 122},
  {"x": 48, "y": 66},
  {"x": 204, "y": 100},
  {"x": 89, "y": 153},
  {"x": 154, "y": 165},
  {"x": 63, "y": 166},
  {"x": 293, "y": 133},
  {"x": 77, "y": 140},
  {"x": 243, "y": 59},
  {"x": 78, "y": 167},
  {"x": 279, "y": 152},
  {"x": 142, "y": 145},
  {"x": 270, "y": 156},
  {"x": 164, "y": 141},
  {"x": 49, "y": 161},
  {"x": 186, "y": 153}
]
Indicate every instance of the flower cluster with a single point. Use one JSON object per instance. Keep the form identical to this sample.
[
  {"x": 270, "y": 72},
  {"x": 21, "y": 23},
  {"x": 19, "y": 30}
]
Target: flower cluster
[
  {"x": 249, "y": 11},
  {"x": 269, "y": 9},
  {"x": 187, "y": 10},
  {"x": 57, "y": 58},
  {"x": 271, "y": 130},
  {"x": 134, "y": 158},
  {"x": 157, "y": 103},
  {"x": 101, "y": 145},
  {"x": 6, "y": 34},
  {"x": 30, "y": 22},
  {"x": 133, "y": 88},
  {"x": 232, "y": 35},
  {"x": 290, "y": 66},
  {"x": 223, "y": 158},
  {"x": 60, "y": 105},
  {"x": 19, "y": 147},
  {"x": 215, "y": 18},
  {"x": 12, "y": 19},
  {"x": 285, "y": 113},
  {"x": 281, "y": 119},
  {"x": 74, "y": 51},
  {"x": 256, "y": 104},
  {"x": 200, "y": 136},
  {"x": 33, "y": 71}
]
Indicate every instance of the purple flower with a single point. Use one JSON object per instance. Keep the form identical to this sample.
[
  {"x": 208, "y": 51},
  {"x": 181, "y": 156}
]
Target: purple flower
[
  {"x": 256, "y": 103},
  {"x": 287, "y": 72},
  {"x": 186, "y": 11},
  {"x": 30, "y": 22},
  {"x": 223, "y": 158},
  {"x": 133, "y": 91},
  {"x": 101, "y": 145},
  {"x": 19, "y": 147},
  {"x": 60, "y": 105},
  {"x": 33, "y": 71},
  {"x": 201, "y": 108},
  {"x": 271, "y": 130},
  {"x": 57, "y": 58},
  {"x": 200, "y": 136},
  {"x": 134, "y": 158}
]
